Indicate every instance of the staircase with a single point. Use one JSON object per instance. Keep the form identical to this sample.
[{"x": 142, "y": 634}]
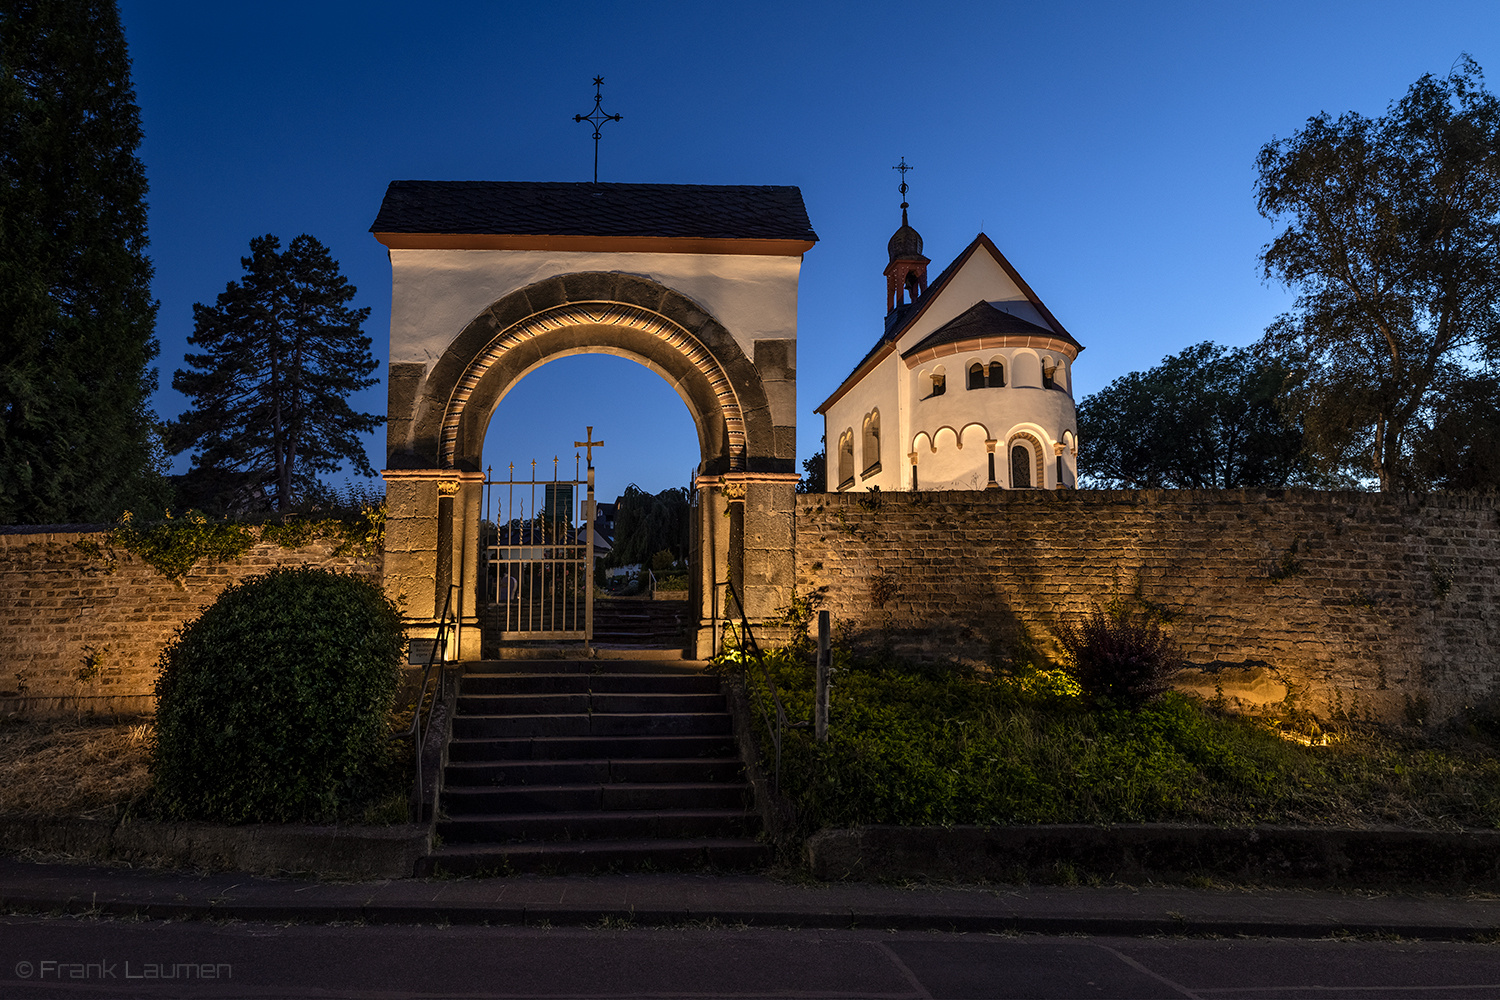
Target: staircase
[
  {"x": 637, "y": 622},
  {"x": 590, "y": 766}
]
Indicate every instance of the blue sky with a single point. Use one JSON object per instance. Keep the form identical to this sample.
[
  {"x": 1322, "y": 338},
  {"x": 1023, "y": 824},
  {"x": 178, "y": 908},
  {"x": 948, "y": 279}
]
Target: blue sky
[{"x": 1107, "y": 148}]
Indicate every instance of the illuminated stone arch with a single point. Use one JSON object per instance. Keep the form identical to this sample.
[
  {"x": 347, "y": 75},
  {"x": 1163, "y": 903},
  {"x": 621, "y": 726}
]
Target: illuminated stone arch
[
  {"x": 606, "y": 313},
  {"x": 438, "y": 418}
]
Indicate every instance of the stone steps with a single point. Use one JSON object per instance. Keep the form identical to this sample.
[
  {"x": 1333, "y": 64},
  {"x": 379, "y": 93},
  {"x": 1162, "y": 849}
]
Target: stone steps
[
  {"x": 586, "y": 857},
  {"x": 588, "y": 748},
  {"x": 603, "y": 771},
  {"x": 629, "y": 622},
  {"x": 589, "y": 765}
]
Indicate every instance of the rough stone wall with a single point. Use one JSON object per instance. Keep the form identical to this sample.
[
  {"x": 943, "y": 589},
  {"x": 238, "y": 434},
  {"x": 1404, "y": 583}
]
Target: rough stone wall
[
  {"x": 1378, "y": 605},
  {"x": 62, "y": 603}
]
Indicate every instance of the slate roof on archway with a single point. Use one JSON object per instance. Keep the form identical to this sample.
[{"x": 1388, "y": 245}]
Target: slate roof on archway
[{"x": 527, "y": 208}]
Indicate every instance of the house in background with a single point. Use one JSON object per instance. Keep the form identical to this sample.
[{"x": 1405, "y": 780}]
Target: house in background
[{"x": 968, "y": 388}]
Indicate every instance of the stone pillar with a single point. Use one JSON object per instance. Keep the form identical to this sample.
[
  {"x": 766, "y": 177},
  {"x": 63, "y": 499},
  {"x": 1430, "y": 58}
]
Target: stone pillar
[
  {"x": 716, "y": 528},
  {"x": 466, "y": 512},
  {"x": 766, "y": 539},
  {"x": 709, "y": 534},
  {"x": 745, "y": 536},
  {"x": 431, "y": 541}
]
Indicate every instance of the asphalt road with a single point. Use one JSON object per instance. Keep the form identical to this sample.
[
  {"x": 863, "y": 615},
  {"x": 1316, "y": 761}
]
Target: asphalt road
[{"x": 68, "y": 957}]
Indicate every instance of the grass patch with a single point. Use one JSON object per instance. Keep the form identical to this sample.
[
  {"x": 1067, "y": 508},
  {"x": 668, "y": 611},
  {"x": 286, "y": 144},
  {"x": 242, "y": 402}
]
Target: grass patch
[
  {"x": 64, "y": 767},
  {"x": 919, "y": 745},
  {"x": 94, "y": 767}
]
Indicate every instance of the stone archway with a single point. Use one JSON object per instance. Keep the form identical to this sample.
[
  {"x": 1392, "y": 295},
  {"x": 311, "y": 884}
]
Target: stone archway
[{"x": 743, "y": 406}]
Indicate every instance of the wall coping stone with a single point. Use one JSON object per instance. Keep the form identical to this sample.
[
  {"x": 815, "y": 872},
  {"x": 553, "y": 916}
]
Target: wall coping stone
[
  {"x": 1283, "y": 854},
  {"x": 360, "y": 852}
]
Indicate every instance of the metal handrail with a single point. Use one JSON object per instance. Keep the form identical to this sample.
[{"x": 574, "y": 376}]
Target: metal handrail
[
  {"x": 748, "y": 640},
  {"x": 436, "y": 656}
]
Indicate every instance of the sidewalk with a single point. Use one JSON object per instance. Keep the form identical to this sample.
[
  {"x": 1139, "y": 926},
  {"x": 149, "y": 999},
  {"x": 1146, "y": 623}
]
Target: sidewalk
[{"x": 675, "y": 899}]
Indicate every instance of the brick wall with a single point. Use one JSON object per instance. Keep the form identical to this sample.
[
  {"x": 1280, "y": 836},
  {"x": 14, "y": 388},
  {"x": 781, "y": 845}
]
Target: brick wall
[
  {"x": 61, "y": 603},
  {"x": 1379, "y": 604}
]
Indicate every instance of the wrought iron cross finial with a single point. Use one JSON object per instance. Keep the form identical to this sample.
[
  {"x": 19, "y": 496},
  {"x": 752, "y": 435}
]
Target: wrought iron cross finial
[
  {"x": 903, "y": 166},
  {"x": 597, "y": 118},
  {"x": 589, "y": 444}
]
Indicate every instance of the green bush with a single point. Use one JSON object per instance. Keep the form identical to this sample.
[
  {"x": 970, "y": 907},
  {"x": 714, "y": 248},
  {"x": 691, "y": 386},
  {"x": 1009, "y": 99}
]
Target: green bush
[
  {"x": 274, "y": 705},
  {"x": 1121, "y": 657}
]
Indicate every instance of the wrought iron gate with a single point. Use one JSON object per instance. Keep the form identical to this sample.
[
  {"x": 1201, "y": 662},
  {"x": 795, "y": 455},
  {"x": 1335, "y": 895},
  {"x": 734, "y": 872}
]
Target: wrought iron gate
[{"x": 540, "y": 565}]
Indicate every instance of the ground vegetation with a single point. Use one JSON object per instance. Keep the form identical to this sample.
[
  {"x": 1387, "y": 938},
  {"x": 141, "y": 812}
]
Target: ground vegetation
[
  {"x": 921, "y": 744},
  {"x": 72, "y": 766}
]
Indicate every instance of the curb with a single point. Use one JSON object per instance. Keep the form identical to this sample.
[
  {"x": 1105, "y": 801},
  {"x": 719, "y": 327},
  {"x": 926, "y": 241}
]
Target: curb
[{"x": 623, "y": 917}]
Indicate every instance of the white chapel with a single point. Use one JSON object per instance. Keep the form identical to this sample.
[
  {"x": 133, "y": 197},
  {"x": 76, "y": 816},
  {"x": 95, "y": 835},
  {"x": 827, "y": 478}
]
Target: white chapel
[{"x": 970, "y": 387}]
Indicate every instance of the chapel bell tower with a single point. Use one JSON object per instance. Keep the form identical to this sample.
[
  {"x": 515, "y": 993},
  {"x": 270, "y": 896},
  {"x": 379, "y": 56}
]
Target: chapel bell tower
[{"x": 906, "y": 274}]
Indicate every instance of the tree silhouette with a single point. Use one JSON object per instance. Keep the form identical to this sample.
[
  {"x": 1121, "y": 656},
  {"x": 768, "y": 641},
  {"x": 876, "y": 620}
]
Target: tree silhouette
[
  {"x": 77, "y": 334},
  {"x": 282, "y": 353},
  {"x": 1392, "y": 239}
]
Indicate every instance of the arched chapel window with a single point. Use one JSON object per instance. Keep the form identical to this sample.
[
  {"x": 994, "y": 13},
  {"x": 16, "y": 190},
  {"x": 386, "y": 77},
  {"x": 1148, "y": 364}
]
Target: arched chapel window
[
  {"x": 872, "y": 443},
  {"x": 1020, "y": 467},
  {"x": 976, "y": 376},
  {"x": 846, "y": 460},
  {"x": 997, "y": 375}
]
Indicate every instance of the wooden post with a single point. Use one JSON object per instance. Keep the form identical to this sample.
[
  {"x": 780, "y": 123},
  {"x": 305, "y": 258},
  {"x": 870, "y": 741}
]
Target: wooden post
[{"x": 820, "y": 725}]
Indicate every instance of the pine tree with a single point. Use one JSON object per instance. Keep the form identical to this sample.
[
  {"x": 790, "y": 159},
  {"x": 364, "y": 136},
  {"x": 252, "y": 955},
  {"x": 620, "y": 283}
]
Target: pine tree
[
  {"x": 76, "y": 314},
  {"x": 283, "y": 351}
]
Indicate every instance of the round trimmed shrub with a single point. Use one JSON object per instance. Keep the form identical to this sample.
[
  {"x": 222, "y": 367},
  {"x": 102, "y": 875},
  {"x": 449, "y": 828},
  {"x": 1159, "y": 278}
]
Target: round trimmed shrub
[{"x": 275, "y": 704}]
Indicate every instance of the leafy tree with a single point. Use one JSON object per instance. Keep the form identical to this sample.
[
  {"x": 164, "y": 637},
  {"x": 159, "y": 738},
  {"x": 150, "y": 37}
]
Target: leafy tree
[
  {"x": 283, "y": 351},
  {"x": 814, "y": 473},
  {"x": 1205, "y": 418},
  {"x": 1392, "y": 237},
  {"x": 646, "y": 524},
  {"x": 76, "y": 432},
  {"x": 1458, "y": 448}
]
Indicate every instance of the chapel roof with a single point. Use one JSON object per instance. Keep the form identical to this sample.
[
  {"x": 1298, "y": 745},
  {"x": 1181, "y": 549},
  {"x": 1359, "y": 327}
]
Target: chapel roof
[
  {"x": 703, "y": 212},
  {"x": 899, "y": 321},
  {"x": 984, "y": 320}
]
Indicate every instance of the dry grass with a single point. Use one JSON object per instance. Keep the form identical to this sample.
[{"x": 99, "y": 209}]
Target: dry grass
[{"x": 62, "y": 767}]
